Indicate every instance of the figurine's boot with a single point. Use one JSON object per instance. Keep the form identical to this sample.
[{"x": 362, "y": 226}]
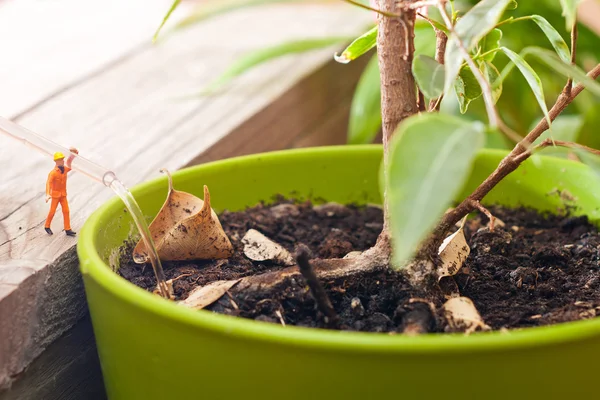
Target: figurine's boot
[
  {"x": 49, "y": 231},
  {"x": 70, "y": 232}
]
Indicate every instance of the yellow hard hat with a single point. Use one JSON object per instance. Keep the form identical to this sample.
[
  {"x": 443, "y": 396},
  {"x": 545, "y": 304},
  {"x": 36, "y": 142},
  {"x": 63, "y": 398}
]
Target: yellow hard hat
[{"x": 58, "y": 156}]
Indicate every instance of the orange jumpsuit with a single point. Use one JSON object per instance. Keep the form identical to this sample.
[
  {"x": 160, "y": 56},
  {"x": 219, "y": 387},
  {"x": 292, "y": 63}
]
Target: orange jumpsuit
[{"x": 56, "y": 187}]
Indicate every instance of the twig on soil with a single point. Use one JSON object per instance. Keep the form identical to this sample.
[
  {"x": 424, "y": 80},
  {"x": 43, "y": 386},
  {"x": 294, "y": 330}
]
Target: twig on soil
[{"x": 316, "y": 288}]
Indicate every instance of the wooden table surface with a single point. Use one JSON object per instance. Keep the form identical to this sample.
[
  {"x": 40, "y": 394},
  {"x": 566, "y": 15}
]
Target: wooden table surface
[{"x": 85, "y": 74}]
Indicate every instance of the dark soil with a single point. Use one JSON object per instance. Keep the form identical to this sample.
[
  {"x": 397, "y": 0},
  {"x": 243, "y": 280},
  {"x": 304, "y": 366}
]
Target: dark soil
[{"x": 535, "y": 270}]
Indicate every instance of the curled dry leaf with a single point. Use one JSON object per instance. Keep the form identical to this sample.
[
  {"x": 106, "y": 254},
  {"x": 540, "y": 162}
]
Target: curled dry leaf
[
  {"x": 453, "y": 252},
  {"x": 462, "y": 316},
  {"x": 258, "y": 247},
  {"x": 206, "y": 295},
  {"x": 186, "y": 228}
]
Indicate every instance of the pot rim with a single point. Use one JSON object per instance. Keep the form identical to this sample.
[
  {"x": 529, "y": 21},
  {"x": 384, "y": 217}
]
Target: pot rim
[{"x": 92, "y": 265}]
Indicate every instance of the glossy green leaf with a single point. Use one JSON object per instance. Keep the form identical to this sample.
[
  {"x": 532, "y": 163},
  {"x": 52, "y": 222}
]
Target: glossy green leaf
[
  {"x": 258, "y": 57},
  {"x": 589, "y": 133},
  {"x": 531, "y": 77},
  {"x": 166, "y": 18},
  {"x": 431, "y": 156},
  {"x": 471, "y": 28},
  {"x": 590, "y": 159},
  {"x": 358, "y": 47},
  {"x": 365, "y": 111},
  {"x": 491, "y": 74},
  {"x": 489, "y": 43},
  {"x": 569, "y": 8},
  {"x": 215, "y": 8},
  {"x": 429, "y": 75},
  {"x": 568, "y": 70},
  {"x": 554, "y": 37},
  {"x": 466, "y": 88}
]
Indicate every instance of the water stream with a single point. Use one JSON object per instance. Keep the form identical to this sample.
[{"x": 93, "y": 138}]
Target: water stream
[{"x": 99, "y": 174}]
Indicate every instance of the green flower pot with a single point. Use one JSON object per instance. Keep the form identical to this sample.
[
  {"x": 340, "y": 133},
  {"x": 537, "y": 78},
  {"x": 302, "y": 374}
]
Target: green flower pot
[{"x": 151, "y": 348}]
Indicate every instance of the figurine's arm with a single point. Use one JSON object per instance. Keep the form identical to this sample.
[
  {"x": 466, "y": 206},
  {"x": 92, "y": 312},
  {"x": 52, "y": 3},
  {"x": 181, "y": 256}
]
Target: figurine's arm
[
  {"x": 70, "y": 158},
  {"x": 49, "y": 185}
]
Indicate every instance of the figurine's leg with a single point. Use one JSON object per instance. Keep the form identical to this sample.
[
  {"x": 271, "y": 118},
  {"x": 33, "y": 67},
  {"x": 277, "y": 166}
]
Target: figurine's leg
[
  {"x": 64, "y": 205},
  {"x": 53, "y": 206}
]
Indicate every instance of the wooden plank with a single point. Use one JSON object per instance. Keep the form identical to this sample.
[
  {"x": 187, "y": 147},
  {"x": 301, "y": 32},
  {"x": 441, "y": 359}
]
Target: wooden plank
[
  {"x": 69, "y": 369},
  {"x": 127, "y": 117},
  {"x": 296, "y": 119},
  {"x": 54, "y": 44}
]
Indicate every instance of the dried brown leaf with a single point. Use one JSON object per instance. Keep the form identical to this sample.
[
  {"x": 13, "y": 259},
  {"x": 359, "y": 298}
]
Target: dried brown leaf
[
  {"x": 462, "y": 316},
  {"x": 206, "y": 295},
  {"x": 453, "y": 252},
  {"x": 258, "y": 247},
  {"x": 186, "y": 228}
]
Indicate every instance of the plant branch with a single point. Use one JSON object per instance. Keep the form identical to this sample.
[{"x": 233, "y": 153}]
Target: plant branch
[
  {"x": 573, "y": 54},
  {"x": 477, "y": 205},
  {"x": 507, "y": 165},
  {"x": 486, "y": 89},
  {"x": 395, "y": 50},
  {"x": 421, "y": 102},
  {"x": 441, "y": 39},
  {"x": 485, "y": 86},
  {"x": 380, "y": 12},
  {"x": 554, "y": 143}
]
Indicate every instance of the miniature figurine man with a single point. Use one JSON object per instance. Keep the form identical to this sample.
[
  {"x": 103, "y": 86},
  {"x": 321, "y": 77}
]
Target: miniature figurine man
[{"x": 56, "y": 190}]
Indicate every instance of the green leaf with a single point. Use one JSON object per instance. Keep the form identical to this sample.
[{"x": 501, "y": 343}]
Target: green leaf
[
  {"x": 466, "y": 88},
  {"x": 588, "y": 133},
  {"x": 471, "y": 28},
  {"x": 165, "y": 19},
  {"x": 532, "y": 79},
  {"x": 491, "y": 74},
  {"x": 494, "y": 139},
  {"x": 554, "y": 37},
  {"x": 431, "y": 156},
  {"x": 569, "y": 8},
  {"x": 258, "y": 57},
  {"x": 424, "y": 38},
  {"x": 365, "y": 111},
  {"x": 429, "y": 75},
  {"x": 358, "y": 47},
  {"x": 590, "y": 159},
  {"x": 563, "y": 68},
  {"x": 490, "y": 42},
  {"x": 207, "y": 11}
]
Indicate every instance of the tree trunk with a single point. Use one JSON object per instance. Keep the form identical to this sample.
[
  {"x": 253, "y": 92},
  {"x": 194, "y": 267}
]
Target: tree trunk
[{"x": 395, "y": 50}]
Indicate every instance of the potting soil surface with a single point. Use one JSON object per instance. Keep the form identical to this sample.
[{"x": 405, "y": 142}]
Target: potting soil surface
[{"x": 534, "y": 270}]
